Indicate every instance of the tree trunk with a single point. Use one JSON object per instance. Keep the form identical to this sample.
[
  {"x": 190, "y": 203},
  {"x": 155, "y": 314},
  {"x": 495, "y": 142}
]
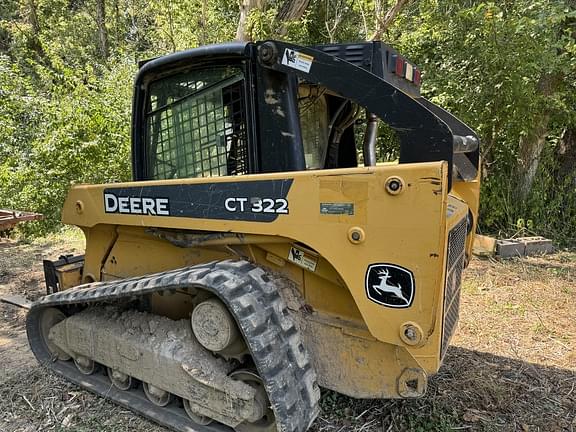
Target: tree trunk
[
  {"x": 102, "y": 32},
  {"x": 171, "y": 26},
  {"x": 292, "y": 10},
  {"x": 34, "y": 41},
  {"x": 117, "y": 30},
  {"x": 382, "y": 24},
  {"x": 566, "y": 156},
  {"x": 203, "y": 34},
  {"x": 243, "y": 33},
  {"x": 33, "y": 18},
  {"x": 529, "y": 153},
  {"x": 531, "y": 146}
]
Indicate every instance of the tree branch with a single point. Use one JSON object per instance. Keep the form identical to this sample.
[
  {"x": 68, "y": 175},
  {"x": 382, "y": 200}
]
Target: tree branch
[
  {"x": 383, "y": 23},
  {"x": 246, "y": 7},
  {"x": 291, "y": 10},
  {"x": 102, "y": 31}
]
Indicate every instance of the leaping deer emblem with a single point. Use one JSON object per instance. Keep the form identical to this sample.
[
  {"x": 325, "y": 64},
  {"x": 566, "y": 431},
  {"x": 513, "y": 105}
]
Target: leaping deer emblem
[{"x": 385, "y": 287}]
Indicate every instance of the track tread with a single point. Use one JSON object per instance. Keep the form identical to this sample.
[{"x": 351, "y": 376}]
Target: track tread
[{"x": 277, "y": 350}]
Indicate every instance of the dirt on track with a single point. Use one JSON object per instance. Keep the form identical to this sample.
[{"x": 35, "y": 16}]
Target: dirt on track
[
  {"x": 31, "y": 398},
  {"x": 511, "y": 367}
]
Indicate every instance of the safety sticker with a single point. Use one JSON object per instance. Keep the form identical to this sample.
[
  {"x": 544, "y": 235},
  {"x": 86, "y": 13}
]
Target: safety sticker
[
  {"x": 297, "y": 60},
  {"x": 301, "y": 258}
]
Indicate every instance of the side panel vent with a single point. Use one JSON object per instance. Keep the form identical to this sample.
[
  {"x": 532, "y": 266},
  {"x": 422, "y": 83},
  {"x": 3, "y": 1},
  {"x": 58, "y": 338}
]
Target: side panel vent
[
  {"x": 357, "y": 54},
  {"x": 455, "y": 265},
  {"x": 375, "y": 57}
]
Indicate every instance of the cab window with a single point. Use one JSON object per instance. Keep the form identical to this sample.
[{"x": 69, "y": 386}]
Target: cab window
[{"x": 196, "y": 124}]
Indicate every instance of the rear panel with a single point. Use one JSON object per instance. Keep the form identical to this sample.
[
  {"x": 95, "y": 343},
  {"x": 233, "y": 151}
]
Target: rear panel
[{"x": 348, "y": 217}]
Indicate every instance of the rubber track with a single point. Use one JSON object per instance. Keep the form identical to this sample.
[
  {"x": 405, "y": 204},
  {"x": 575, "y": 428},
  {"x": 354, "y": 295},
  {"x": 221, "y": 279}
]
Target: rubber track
[{"x": 277, "y": 350}]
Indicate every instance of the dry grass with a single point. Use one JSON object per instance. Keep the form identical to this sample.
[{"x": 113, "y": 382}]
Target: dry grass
[
  {"x": 530, "y": 303},
  {"x": 35, "y": 400},
  {"x": 512, "y": 366}
]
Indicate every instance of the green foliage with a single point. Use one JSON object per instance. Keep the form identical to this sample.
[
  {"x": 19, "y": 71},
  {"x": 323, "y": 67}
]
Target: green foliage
[
  {"x": 552, "y": 203},
  {"x": 437, "y": 422},
  {"x": 506, "y": 68},
  {"x": 80, "y": 134}
]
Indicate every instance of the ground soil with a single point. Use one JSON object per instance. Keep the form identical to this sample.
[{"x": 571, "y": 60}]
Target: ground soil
[{"x": 511, "y": 367}]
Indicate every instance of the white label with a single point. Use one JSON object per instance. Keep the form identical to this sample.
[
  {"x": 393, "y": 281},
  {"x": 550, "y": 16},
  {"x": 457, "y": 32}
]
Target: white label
[
  {"x": 297, "y": 60},
  {"x": 136, "y": 205},
  {"x": 409, "y": 72},
  {"x": 256, "y": 205},
  {"x": 300, "y": 258}
]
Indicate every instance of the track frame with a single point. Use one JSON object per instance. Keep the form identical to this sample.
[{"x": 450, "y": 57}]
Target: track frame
[{"x": 261, "y": 314}]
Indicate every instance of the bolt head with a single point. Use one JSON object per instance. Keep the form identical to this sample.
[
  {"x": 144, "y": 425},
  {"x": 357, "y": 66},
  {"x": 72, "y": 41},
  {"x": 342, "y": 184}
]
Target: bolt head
[
  {"x": 394, "y": 185},
  {"x": 268, "y": 53},
  {"x": 410, "y": 333}
]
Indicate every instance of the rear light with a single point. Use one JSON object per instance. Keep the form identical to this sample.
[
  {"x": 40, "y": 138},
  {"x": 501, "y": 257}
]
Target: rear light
[
  {"x": 417, "y": 77},
  {"x": 400, "y": 63},
  {"x": 403, "y": 69},
  {"x": 409, "y": 72}
]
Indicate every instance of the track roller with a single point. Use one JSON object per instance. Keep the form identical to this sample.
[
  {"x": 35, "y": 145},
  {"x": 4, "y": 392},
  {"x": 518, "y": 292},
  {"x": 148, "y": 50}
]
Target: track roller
[
  {"x": 263, "y": 419},
  {"x": 196, "y": 418},
  {"x": 85, "y": 365},
  {"x": 48, "y": 319},
  {"x": 120, "y": 380},
  {"x": 216, "y": 329},
  {"x": 156, "y": 395}
]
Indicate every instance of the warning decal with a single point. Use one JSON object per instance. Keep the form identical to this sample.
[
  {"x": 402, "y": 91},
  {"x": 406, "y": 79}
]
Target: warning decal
[
  {"x": 297, "y": 60},
  {"x": 301, "y": 258}
]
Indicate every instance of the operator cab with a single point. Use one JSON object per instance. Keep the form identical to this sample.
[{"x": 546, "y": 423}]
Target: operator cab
[{"x": 238, "y": 108}]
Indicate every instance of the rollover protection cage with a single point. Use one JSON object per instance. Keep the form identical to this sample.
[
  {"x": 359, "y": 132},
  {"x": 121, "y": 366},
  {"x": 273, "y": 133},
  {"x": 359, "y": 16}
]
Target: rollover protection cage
[{"x": 371, "y": 74}]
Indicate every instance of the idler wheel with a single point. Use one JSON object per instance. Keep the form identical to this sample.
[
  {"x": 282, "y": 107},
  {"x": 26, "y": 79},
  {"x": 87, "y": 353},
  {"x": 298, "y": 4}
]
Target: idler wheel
[
  {"x": 263, "y": 419},
  {"x": 156, "y": 395},
  {"x": 120, "y": 380},
  {"x": 196, "y": 418},
  {"x": 85, "y": 365},
  {"x": 49, "y": 318},
  {"x": 216, "y": 329}
]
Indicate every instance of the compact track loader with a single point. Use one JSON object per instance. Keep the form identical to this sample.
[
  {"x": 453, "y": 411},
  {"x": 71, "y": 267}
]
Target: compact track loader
[{"x": 263, "y": 250}]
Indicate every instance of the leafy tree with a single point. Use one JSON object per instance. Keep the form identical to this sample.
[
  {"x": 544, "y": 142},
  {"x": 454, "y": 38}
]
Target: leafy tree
[{"x": 506, "y": 68}]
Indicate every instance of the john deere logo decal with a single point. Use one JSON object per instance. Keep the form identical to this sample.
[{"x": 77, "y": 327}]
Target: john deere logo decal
[{"x": 390, "y": 285}]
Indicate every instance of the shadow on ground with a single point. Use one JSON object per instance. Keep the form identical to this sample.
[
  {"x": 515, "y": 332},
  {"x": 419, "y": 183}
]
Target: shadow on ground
[{"x": 473, "y": 391}]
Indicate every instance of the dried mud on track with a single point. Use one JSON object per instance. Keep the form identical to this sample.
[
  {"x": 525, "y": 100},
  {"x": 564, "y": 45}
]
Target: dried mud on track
[
  {"x": 31, "y": 398},
  {"x": 511, "y": 367}
]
